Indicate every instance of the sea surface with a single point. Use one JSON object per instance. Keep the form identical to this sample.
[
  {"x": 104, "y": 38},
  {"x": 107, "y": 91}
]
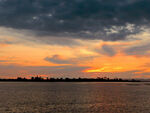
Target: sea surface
[{"x": 74, "y": 97}]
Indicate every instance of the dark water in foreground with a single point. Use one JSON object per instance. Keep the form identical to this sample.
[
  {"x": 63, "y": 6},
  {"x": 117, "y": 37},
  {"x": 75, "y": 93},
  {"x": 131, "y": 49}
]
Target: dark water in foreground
[{"x": 74, "y": 97}]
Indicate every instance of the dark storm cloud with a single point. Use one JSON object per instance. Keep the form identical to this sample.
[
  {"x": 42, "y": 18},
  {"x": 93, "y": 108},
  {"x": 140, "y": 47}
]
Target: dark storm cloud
[{"x": 76, "y": 18}]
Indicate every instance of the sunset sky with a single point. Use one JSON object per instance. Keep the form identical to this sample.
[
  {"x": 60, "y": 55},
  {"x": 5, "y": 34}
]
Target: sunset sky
[{"x": 75, "y": 38}]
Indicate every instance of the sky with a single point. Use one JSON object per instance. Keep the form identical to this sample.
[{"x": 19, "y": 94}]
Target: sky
[{"x": 75, "y": 38}]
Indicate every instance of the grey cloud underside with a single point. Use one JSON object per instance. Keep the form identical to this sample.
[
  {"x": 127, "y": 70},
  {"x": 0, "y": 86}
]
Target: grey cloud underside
[
  {"x": 106, "y": 50},
  {"x": 92, "y": 19},
  {"x": 138, "y": 50},
  {"x": 57, "y": 60}
]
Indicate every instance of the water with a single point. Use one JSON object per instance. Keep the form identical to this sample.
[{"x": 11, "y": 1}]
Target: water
[{"x": 87, "y": 97}]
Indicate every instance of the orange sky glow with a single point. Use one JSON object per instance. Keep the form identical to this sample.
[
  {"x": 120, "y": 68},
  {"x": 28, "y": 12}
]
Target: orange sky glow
[{"x": 85, "y": 59}]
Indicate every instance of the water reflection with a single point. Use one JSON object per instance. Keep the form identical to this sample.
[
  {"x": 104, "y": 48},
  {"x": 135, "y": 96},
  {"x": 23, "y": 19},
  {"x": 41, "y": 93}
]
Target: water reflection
[{"x": 75, "y": 97}]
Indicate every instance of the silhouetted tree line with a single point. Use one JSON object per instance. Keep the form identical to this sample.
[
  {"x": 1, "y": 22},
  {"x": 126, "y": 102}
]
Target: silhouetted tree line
[{"x": 98, "y": 79}]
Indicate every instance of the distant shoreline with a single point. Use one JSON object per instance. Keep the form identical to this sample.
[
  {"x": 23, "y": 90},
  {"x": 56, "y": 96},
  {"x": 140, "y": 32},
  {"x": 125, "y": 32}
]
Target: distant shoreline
[
  {"x": 40, "y": 79},
  {"x": 74, "y": 81}
]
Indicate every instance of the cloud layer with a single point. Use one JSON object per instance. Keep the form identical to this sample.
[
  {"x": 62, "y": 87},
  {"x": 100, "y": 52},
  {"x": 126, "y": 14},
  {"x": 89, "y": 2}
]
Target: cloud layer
[{"x": 94, "y": 19}]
